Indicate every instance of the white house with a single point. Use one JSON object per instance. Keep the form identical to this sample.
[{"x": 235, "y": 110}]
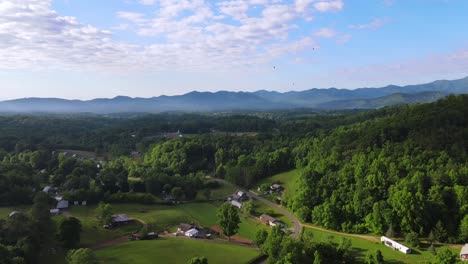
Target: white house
[
  {"x": 62, "y": 204},
  {"x": 395, "y": 245},
  {"x": 464, "y": 253},
  {"x": 192, "y": 233},
  {"x": 236, "y": 204},
  {"x": 47, "y": 189}
]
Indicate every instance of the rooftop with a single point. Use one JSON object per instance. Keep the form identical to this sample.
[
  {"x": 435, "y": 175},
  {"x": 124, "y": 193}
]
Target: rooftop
[{"x": 464, "y": 250}]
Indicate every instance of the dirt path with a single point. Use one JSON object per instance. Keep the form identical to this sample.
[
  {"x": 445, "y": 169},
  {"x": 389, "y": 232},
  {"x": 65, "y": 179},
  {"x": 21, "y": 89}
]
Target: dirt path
[
  {"x": 366, "y": 237},
  {"x": 110, "y": 243}
]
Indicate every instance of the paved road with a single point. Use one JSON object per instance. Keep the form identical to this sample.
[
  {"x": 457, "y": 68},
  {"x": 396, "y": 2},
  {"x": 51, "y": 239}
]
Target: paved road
[
  {"x": 297, "y": 229},
  {"x": 296, "y": 232}
]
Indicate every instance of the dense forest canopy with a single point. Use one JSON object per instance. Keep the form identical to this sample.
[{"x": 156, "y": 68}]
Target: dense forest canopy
[{"x": 400, "y": 169}]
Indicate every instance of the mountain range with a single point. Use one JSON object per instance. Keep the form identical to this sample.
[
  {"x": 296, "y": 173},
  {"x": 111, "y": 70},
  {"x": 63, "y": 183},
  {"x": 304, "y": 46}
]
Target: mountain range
[{"x": 325, "y": 99}]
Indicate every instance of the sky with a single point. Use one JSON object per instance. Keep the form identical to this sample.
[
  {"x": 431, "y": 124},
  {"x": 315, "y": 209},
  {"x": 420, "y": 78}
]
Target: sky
[{"x": 84, "y": 49}]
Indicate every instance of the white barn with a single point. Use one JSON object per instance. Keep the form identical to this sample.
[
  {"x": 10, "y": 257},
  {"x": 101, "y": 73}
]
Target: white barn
[{"x": 395, "y": 245}]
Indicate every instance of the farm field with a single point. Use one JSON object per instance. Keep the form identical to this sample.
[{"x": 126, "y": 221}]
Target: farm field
[
  {"x": 174, "y": 251},
  {"x": 362, "y": 246},
  {"x": 167, "y": 217}
]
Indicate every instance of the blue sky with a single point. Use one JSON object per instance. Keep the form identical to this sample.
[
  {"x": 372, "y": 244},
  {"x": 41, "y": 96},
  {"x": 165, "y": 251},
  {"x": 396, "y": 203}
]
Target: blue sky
[{"x": 141, "y": 48}]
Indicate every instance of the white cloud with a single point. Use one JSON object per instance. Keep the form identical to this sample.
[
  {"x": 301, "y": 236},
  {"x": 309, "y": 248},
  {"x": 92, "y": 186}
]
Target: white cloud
[
  {"x": 329, "y": 6},
  {"x": 374, "y": 24},
  {"x": 182, "y": 35},
  {"x": 325, "y": 33},
  {"x": 147, "y": 2}
]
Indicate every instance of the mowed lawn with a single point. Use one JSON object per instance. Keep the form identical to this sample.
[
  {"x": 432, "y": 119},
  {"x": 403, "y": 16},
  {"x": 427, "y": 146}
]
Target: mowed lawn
[
  {"x": 5, "y": 211},
  {"x": 260, "y": 208},
  {"x": 175, "y": 251},
  {"x": 163, "y": 217},
  {"x": 289, "y": 180},
  {"x": 92, "y": 231},
  {"x": 361, "y": 247}
]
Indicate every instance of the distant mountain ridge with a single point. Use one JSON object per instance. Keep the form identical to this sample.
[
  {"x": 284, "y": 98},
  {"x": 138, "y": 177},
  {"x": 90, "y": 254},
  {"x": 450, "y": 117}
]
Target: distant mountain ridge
[{"x": 332, "y": 98}]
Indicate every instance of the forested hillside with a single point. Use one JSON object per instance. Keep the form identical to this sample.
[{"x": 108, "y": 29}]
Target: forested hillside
[{"x": 405, "y": 171}]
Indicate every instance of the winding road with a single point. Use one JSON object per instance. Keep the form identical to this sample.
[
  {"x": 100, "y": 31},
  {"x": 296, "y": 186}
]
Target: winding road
[{"x": 297, "y": 228}]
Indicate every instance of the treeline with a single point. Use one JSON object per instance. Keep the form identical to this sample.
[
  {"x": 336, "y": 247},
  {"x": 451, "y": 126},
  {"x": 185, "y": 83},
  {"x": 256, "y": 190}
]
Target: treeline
[{"x": 400, "y": 173}]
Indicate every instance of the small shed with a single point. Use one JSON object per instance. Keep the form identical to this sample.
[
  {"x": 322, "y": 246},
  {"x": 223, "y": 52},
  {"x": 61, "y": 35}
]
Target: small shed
[
  {"x": 192, "y": 233},
  {"x": 83, "y": 203},
  {"x": 464, "y": 253},
  {"x": 268, "y": 220},
  {"x": 14, "y": 213},
  {"x": 62, "y": 204},
  {"x": 395, "y": 245},
  {"x": 121, "y": 219},
  {"x": 54, "y": 211}
]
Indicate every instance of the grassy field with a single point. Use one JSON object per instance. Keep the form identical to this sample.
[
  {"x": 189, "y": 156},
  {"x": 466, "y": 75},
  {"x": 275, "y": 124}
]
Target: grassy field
[
  {"x": 167, "y": 217},
  {"x": 287, "y": 179},
  {"x": 174, "y": 251},
  {"x": 5, "y": 211},
  {"x": 222, "y": 192},
  {"x": 93, "y": 232},
  {"x": 261, "y": 208},
  {"x": 361, "y": 247}
]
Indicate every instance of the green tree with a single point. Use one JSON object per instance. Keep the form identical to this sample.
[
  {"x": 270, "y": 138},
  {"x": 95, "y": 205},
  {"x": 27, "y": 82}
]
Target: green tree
[
  {"x": 440, "y": 234},
  {"x": 228, "y": 220},
  {"x": 247, "y": 208},
  {"x": 379, "y": 257},
  {"x": 41, "y": 240},
  {"x": 69, "y": 232},
  {"x": 446, "y": 256},
  {"x": 432, "y": 249},
  {"x": 207, "y": 194},
  {"x": 260, "y": 237},
  {"x": 5, "y": 255},
  {"x": 198, "y": 260},
  {"x": 317, "y": 257},
  {"x": 82, "y": 256},
  {"x": 104, "y": 213},
  {"x": 412, "y": 239},
  {"x": 178, "y": 193},
  {"x": 464, "y": 228},
  {"x": 272, "y": 245}
]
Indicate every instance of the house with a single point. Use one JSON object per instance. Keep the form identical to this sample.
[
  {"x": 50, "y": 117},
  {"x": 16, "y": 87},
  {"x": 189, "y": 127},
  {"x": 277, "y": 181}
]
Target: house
[
  {"x": 47, "y": 189},
  {"x": 270, "y": 220},
  {"x": 239, "y": 196},
  {"x": 276, "y": 187},
  {"x": 62, "y": 204},
  {"x": 464, "y": 253},
  {"x": 192, "y": 233},
  {"x": 395, "y": 245},
  {"x": 14, "y": 213},
  {"x": 54, "y": 211},
  {"x": 236, "y": 204},
  {"x": 121, "y": 219},
  {"x": 182, "y": 228}
]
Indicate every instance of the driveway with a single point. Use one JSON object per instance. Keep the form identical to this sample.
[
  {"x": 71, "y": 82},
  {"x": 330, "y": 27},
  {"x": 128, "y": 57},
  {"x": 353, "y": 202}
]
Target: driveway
[{"x": 297, "y": 228}]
